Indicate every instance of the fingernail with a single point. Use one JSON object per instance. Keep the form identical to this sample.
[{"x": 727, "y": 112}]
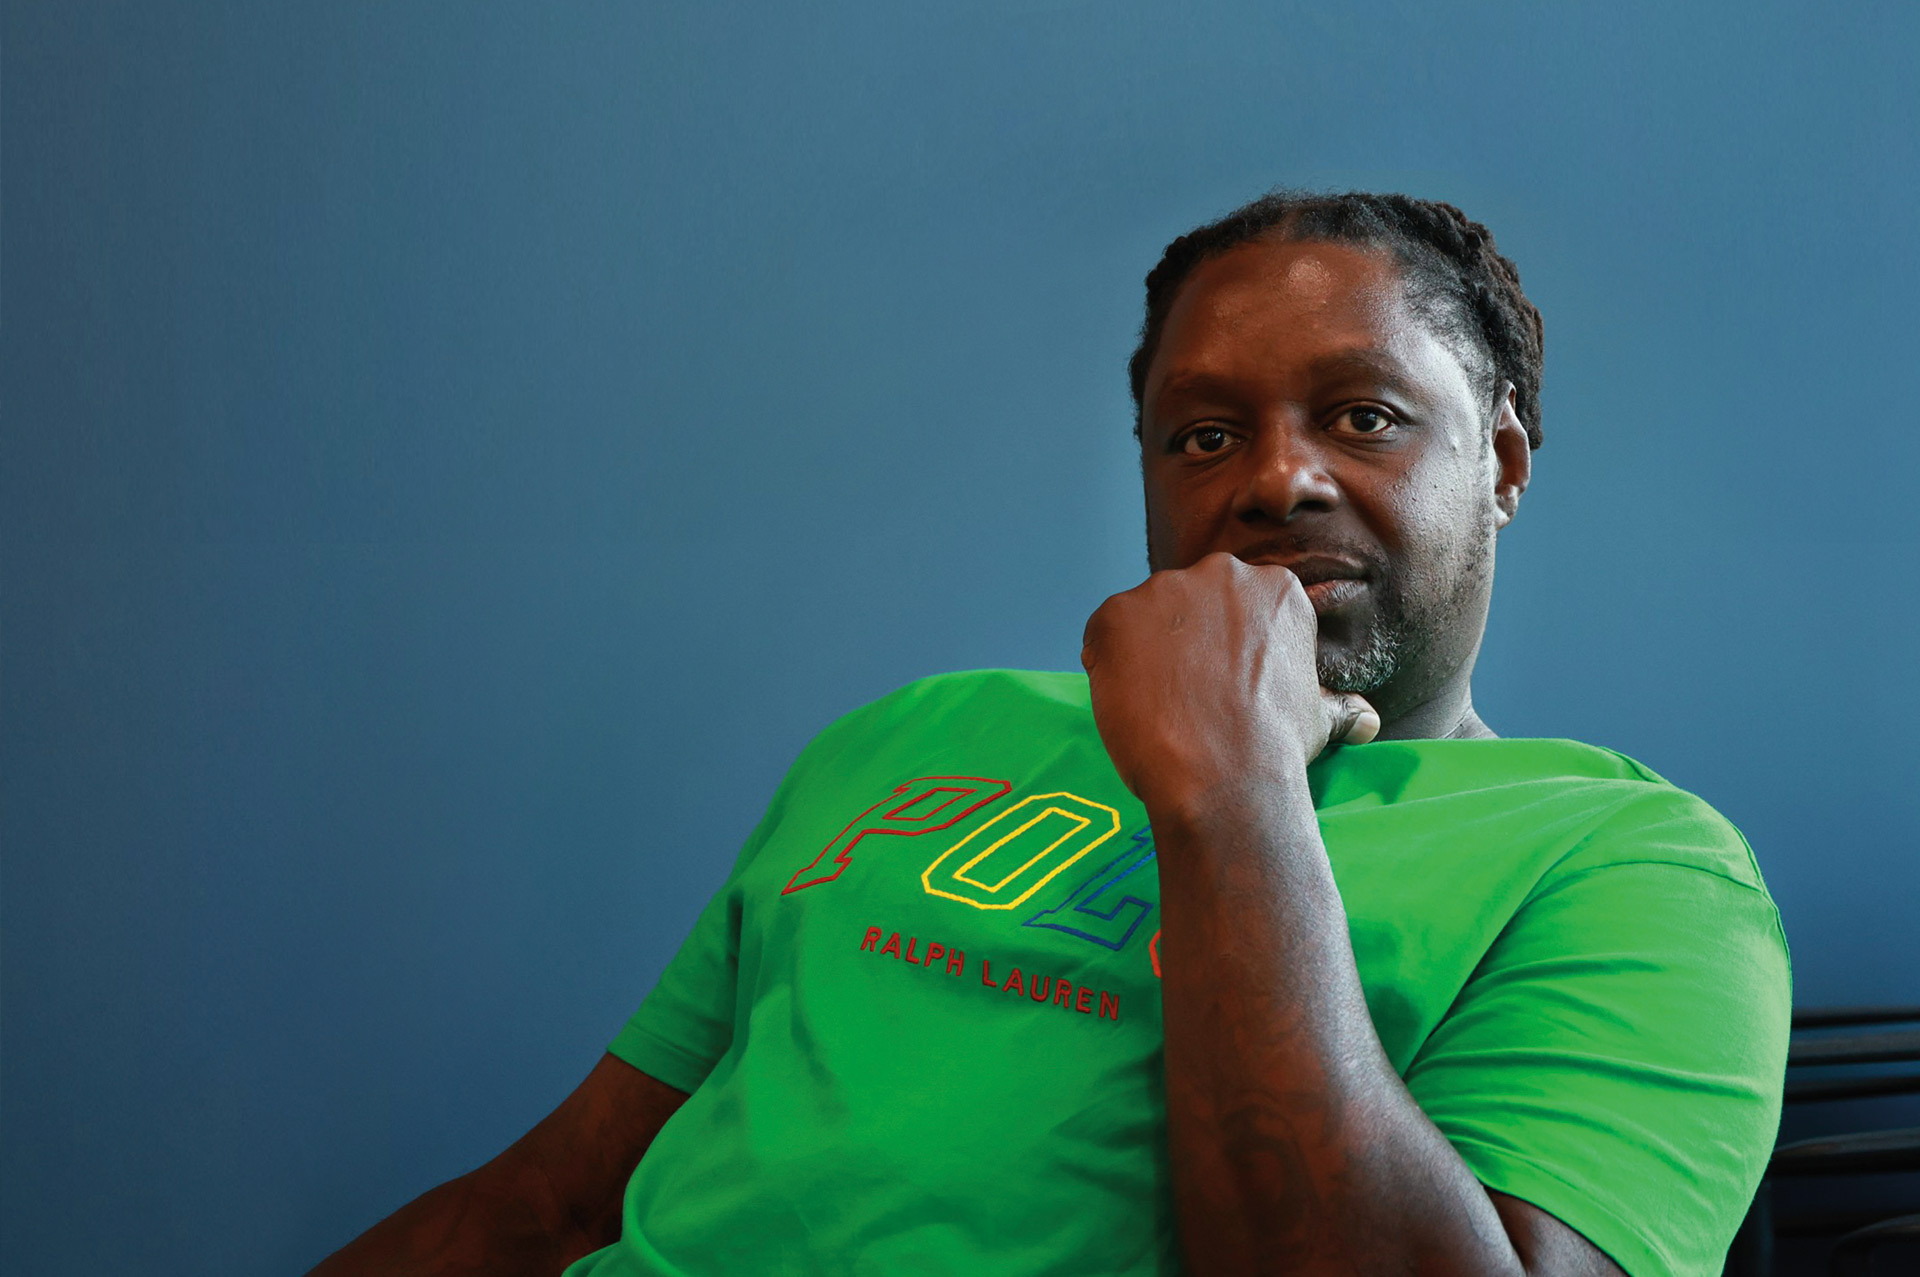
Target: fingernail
[{"x": 1365, "y": 728}]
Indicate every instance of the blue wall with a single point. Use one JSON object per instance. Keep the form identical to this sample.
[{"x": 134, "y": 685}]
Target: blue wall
[{"x": 455, "y": 457}]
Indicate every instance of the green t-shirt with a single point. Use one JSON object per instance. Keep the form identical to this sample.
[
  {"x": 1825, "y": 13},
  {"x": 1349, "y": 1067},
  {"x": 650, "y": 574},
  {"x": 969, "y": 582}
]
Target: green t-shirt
[{"x": 920, "y": 1023}]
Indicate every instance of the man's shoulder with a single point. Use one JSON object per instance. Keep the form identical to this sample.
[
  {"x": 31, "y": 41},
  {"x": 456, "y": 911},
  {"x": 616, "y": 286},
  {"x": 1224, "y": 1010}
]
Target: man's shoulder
[
  {"x": 1600, "y": 806},
  {"x": 1661, "y": 823},
  {"x": 975, "y": 691},
  {"x": 1059, "y": 687},
  {"x": 986, "y": 700},
  {"x": 1639, "y": 816}
]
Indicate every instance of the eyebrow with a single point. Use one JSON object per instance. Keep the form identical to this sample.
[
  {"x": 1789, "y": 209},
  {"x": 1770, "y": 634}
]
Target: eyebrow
[
  {"x": 1355, "y": 364},
  {"x": 1372, "y": 366},
  {"x": 1206, "y": 385}
]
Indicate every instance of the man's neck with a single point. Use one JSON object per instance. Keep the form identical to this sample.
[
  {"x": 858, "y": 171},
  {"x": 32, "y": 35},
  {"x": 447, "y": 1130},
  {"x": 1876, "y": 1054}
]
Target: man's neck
[{"x": 1447, "y": 716}]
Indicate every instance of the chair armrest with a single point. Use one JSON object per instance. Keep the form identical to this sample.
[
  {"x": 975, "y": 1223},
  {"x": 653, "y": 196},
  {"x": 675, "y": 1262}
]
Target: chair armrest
[
  {"x": 1853, "y": 1254},
  {"x": 1870, "y": 1047},
  {"x": 1872, "y": 1151},
  {"x": 1845, "y": 1017},
  {"x": 1803, "y": 1090}
]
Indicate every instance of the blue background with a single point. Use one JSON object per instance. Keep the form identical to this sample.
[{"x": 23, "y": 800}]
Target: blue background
[{"x": 456, "y": 455}]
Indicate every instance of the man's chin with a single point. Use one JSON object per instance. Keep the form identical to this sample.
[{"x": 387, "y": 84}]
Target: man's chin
[{"x": 1364, "y": 668}]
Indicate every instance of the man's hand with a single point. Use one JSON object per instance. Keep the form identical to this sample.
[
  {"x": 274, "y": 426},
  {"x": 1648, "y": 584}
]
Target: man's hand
[
  {"x": 1205, "y": 676},
  {"x": 1206, "y": 693}
]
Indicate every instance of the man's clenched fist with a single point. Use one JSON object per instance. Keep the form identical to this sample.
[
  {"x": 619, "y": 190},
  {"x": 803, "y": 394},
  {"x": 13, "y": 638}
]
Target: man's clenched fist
[{"x": 1204, "y": 681}]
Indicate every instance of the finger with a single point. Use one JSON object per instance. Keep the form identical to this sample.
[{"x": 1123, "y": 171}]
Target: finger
[
  {"x": 1355, "y": 722},
  {"x": 1093, "y": 638},
  {"x": 1090, "y": 637}
]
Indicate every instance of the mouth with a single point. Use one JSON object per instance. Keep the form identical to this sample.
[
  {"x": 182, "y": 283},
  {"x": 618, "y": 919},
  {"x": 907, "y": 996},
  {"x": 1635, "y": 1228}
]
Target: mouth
[
  {"x": 1331, "y": 581},
  {"x": 1338, "y": 592}
]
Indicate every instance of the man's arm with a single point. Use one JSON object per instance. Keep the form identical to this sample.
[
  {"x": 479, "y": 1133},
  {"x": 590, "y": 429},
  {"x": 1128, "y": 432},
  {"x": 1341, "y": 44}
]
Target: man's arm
[
  {"x": 1292, "y": 1140},
  {"x": 552, "y": 1197},
  {"x": 1290, "y": 1133}
]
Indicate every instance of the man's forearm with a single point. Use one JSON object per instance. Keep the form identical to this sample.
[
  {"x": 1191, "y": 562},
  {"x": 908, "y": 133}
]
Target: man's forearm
[
  {"x": 468, "y": 1226},
  {"x": 1291, "y": 1137}
]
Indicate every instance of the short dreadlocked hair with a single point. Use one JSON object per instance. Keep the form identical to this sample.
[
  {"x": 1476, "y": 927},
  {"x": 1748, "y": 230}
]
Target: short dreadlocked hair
[{"x": 1456, "y": 280}]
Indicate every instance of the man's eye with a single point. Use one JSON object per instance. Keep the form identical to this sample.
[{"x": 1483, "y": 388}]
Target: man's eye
[
  {"x": 1368, "y": 421},
  {"x": 1205, "y": 440}
]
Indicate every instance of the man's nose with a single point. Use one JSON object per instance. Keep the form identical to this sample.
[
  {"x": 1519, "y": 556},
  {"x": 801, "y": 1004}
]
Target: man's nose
[{"x": 1287, "y": 475}]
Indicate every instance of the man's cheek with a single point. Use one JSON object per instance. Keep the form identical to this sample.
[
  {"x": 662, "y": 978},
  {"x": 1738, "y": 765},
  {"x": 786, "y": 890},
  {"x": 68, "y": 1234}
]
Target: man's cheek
[
  {"x": 1160, "y": 536},
  {"x": 1178, "y": 533}
]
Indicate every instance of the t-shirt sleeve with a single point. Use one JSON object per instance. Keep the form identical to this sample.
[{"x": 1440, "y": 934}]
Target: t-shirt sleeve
[
  {"x": 1616, "y": 1058},
  {"x": 685, "y": 1024}
]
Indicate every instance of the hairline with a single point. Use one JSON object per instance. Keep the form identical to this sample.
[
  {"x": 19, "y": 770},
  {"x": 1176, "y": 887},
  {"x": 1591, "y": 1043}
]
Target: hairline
[{"x": 1425, "y": 299}]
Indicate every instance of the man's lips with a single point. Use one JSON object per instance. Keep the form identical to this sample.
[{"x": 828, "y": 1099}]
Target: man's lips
[
  {"x": 1330, "y": 582},
  {"x": 1335, "y": 593}
]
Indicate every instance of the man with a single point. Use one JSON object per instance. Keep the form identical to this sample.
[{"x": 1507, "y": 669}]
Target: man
[{"x": 1256, "y": 950}]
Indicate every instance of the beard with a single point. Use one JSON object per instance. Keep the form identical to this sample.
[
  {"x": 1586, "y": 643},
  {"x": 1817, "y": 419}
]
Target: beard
[
  {"x": 1383, "y": 650},
  {"x": 1401, "y": 634}
]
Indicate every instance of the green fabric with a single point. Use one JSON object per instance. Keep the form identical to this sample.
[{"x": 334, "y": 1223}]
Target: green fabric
[{"x": 1573, "y": 964}]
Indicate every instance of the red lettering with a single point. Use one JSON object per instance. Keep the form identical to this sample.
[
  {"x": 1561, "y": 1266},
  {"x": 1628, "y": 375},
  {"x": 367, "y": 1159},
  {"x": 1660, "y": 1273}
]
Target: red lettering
[
  {"x": 872, "y": 941},
  {"x": 934, "y": 953},
  {"x": 892, "y": 945},
  {"x": 1014, "y": 984},
  {"x": 1153, "y": 951},
  {"x": 1082, "y": 1004},
  {"x": 1109, "y": 1005},
  {"x": 911, "y": 810},
  {"x": 986, "y": 974},
  {"x": 1040, "y": 988},
  {"x": 912, "y": 941},
  {"x": 956, "y": 962},
  {"x": 1062, "y": 993}
]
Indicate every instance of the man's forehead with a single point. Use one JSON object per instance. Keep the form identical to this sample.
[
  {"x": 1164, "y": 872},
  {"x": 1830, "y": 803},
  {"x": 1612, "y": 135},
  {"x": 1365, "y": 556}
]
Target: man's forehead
[
  {"x": 1270, "y": 281},
  {"x": 1329, "y": 312}
]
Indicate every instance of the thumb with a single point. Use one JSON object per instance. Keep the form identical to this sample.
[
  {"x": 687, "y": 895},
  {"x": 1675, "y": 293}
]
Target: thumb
[{"x": 1352, "y": 720}]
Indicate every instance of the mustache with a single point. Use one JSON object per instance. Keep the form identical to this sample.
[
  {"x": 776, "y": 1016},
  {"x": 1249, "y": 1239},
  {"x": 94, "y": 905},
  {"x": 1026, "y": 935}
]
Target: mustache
[{"x": 1291, "y": 548}]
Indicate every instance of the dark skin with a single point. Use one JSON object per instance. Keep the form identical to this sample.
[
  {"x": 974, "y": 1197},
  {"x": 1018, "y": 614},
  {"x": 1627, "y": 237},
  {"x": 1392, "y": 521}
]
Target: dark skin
[
  {"x": 1209, "y": 693},
  {"x": 1301, "y": 420},
  {"x": 551, "y": 1197}
]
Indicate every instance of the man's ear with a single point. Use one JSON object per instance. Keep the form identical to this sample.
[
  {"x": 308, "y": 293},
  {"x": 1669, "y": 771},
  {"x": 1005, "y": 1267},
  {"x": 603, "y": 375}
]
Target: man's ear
[{"x": 1512, "y": 459}]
